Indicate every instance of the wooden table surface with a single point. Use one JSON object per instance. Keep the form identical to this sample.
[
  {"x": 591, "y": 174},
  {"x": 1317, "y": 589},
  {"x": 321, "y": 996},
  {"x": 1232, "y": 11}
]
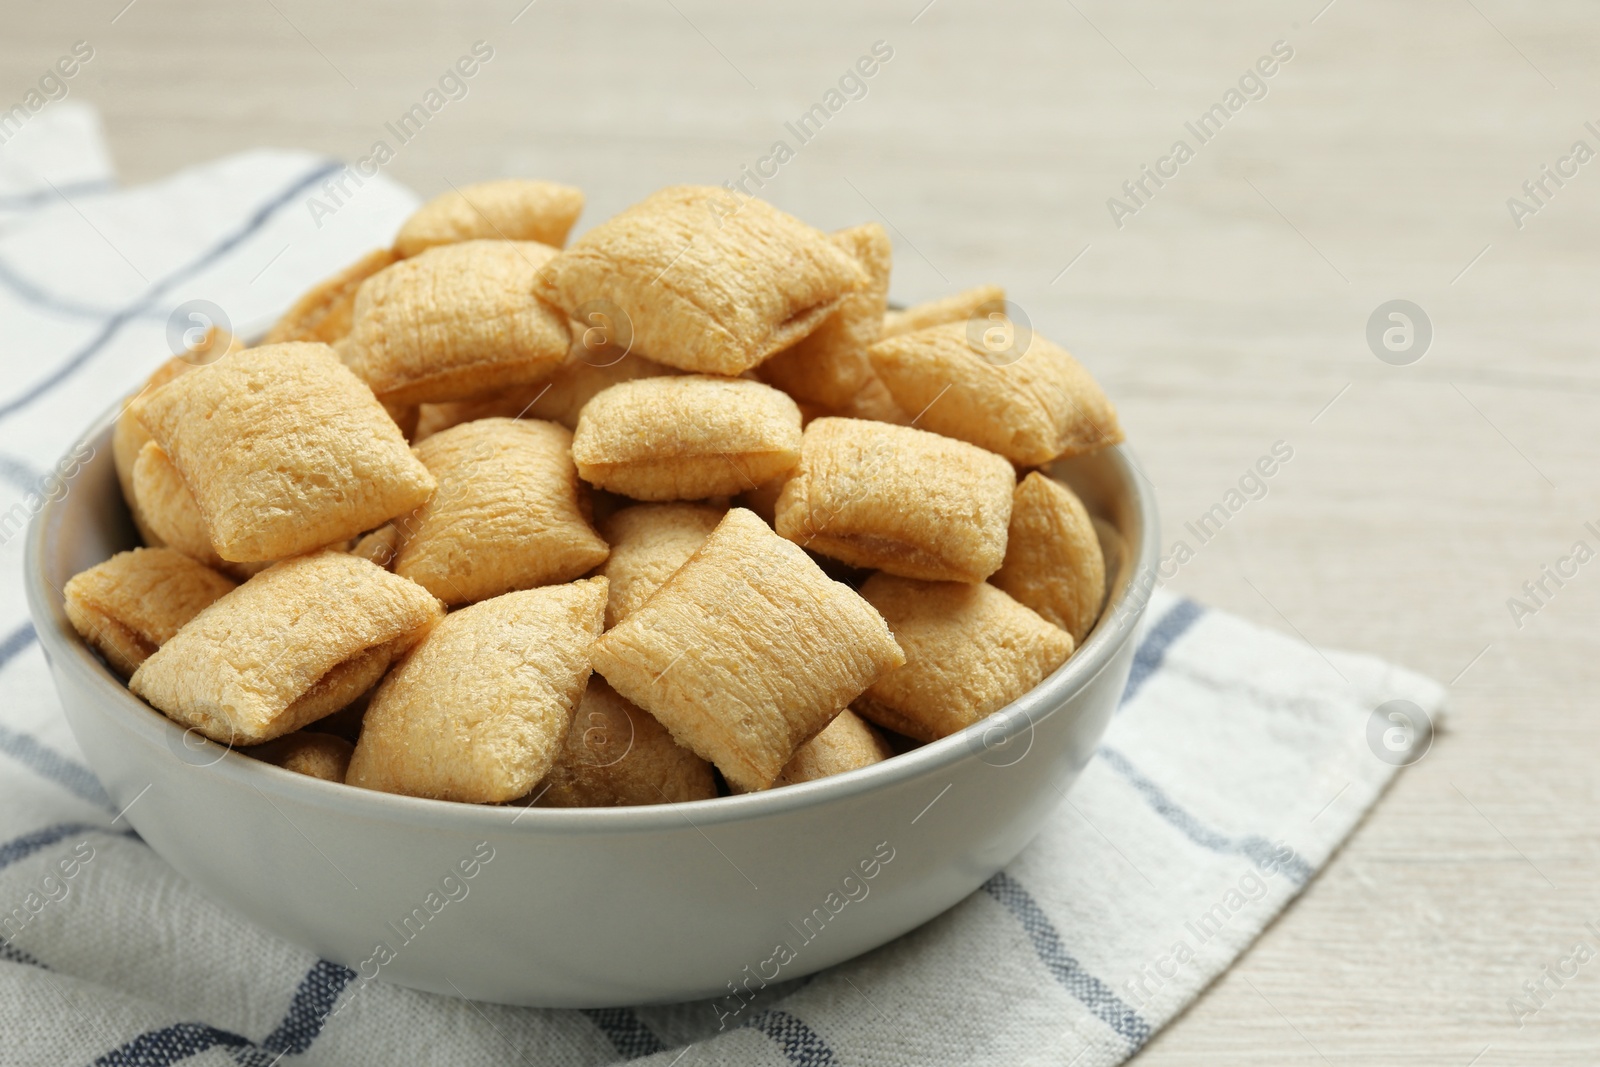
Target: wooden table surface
[{"x": 1227, "y": 312}]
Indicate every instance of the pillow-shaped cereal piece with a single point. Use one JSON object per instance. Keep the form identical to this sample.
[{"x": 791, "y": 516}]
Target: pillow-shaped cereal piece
[
  {"x": 958, "y": 307},
  {"x": 132, "y": 604},
  {"x": 1053, "y": 561},
  {"x": 1042, "y": 405},
  {"x": 558, "y": 398},
  {"x": 617, "y": 755},
  {"x": 875, "y": 402},
  {"x": 512, "y": 209},
  {"x": 299, "y": 641},
  {"x": 898, "y": 499},
  {"x": 763, "y": 499},
  {"x": 829, "y": 365},
  {"x": 970, "y": 650},
  {"x": 284, "y": 451},
  {"x": 708, "y": 284},
  {"x": 303, "y": 752},
  {"x": 649, "y": 542},
  {"x": 686, "y": 438},
  {"x": 128, "y": 436},
  {"x": 845, "y": 744},
  {"x": 507, "y": 515},
  {"x": 480, "y": 710},
  {"x": 456, "y": 322},
  {"x": 747, "y": 651},
  {"x": 324, "y": 312},
  {"x": 379, "y": 546},
  {"x": 172, "y": 516}
]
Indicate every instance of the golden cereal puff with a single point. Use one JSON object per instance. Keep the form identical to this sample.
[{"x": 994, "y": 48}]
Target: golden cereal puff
[
  {"x": 512, "y": 209},
  {"x": 303, "y": 752},
  {"x": 898, "y": 499},
  {"x": 747, "y": 651},
  {"x": 558, "y": 398},
  {"x": 709, "y": 282},
  {"x": 876, "y": 403},
  {"x": 763, "y": 499},
  {"x": 507, "y": 515},
  {"x": 379, "y": 546},
  {"x": 958, "y": 307},
  {"x": 284, "y": 451},
  {"x": 1053, "y": 561},
  {"x": 829, "y": 366},
  {"x": 128, "y": 438},
  {"x": 172, "y": 516},
  {"x": 618, "y": 755},
  {"x": 480, "y": 710},
  {"x": 132, "y": 604},
  {"x": 845, "y": 744},
  {"x": 456, "y": 322},
  {"x": 970, "y": 650},
  {"x": 1039, "y": 406},
  {"x": 323, "y": 313},
  {"x": 299, "y": 641},
  {"x": 686, "y": 437},
  {"x": 649, "y": 542}
]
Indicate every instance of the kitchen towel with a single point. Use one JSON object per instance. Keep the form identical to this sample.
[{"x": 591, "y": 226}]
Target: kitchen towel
[{"x": 1239, "y": 759}]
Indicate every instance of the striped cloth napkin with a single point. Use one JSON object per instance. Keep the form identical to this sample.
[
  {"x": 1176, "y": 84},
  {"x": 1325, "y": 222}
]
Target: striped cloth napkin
[{"x": 1238, "y": 762}]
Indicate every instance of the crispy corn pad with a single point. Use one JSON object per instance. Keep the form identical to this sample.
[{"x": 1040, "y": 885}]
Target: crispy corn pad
[
  {"x": 829, "y": 366},
  {"x": 298, "y": 641},
  {"x": 134, "y": 602},
  {"x": 898, "y": 499},
  {"x": 325, "y": 311},
  {"x": 513, "y": 209},
  {"x": 845, "y": 744},
  {"x": 559, "y": 398},
  {"x": 1053, "y": 560},
  {"x": 686, "y": 437},
  {"x": 479, "y": 711},
  {"x": 1040, "y": 406},
  {"x": 617, "y": 754},
  {"x": 304, "y": 752},
  {"x": 649, "y": 542},
  {"x": 970, "y": 650},
  {"x": 747, "y": 651},
  {"x": 708, "y": 283},
  {"x": 958, "y": 307},
  {"x": 508, "y": 514},
  {"x": 284, "y": 451},
  {"x": 456, "y": 322}
]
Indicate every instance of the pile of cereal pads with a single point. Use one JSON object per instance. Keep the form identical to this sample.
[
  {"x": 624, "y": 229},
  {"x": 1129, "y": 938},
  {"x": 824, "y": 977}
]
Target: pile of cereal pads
[{"x": 677, "y": 511}]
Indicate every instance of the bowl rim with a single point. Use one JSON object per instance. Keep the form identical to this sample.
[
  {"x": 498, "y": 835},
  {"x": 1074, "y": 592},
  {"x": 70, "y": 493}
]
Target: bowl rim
[{"x": 1118, "y": 624}]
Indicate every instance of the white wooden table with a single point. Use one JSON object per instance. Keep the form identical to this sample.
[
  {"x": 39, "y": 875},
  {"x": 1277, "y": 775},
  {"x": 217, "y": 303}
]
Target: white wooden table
[{"x": 1227, "y": 312}]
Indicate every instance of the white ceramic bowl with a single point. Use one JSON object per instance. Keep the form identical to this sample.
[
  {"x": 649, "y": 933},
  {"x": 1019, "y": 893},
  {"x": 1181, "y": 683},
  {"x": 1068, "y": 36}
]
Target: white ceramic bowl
[{"x": 588, "y": 907}]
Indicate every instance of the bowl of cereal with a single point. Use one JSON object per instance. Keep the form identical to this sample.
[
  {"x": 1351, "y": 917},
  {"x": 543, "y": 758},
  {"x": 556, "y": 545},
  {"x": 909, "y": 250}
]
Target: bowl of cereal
[{"x": 652, "y": 618}]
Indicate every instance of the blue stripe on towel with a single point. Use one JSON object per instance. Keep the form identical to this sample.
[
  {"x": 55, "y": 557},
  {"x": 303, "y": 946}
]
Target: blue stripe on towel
[
  {"x": 1254, "y": 846},
  {"x": 626, "y": 1031},
  {"x": 15, "y": 642},
  {"x": 170, "y": 1044},
  {"x": 66, "y": 308},
  {"x": 20, "y": 474},
  {"x": 28, "y": 201},
  {"x": 117, "y": 321},
  {"x": 22, "y": 847},
  {"x": 66, "y": 772},
  {"x": 802, "y": 1045},
  {"x": 1089, "y": 990},
  {"x": 312, "y": 1003},
  {"x": 1152, "y": 651}
]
